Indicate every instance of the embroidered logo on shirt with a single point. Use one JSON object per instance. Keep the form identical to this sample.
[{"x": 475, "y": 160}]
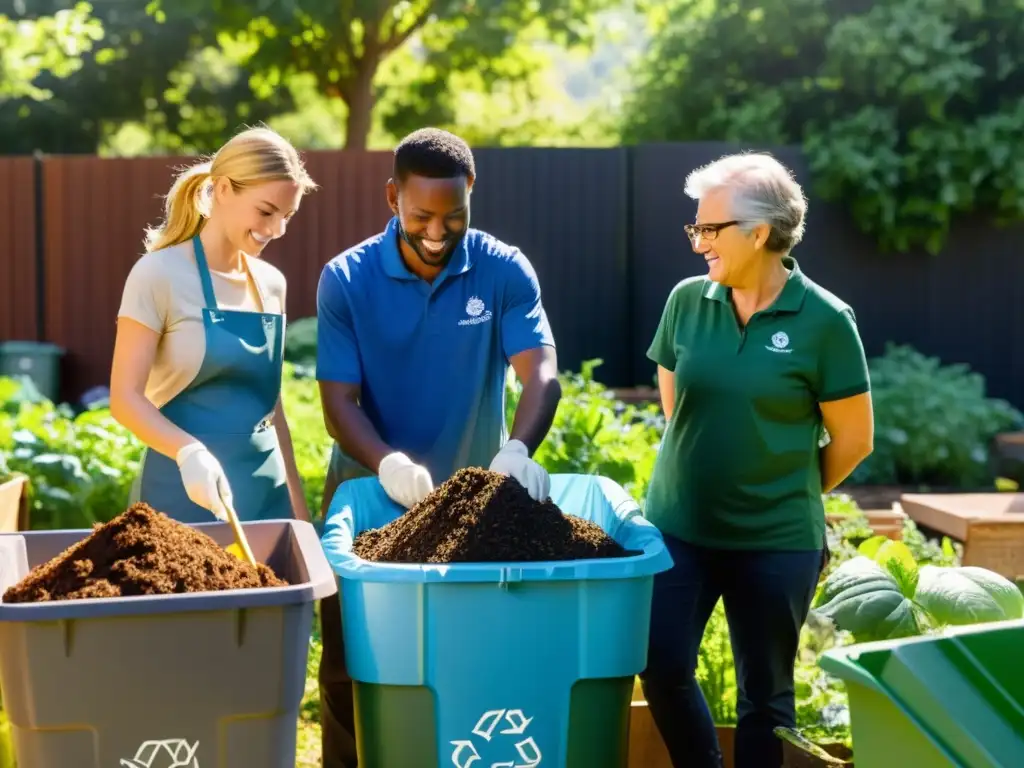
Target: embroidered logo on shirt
[
  {"x": 477, "y": 312},
  {"x": 780, "y": 343}
]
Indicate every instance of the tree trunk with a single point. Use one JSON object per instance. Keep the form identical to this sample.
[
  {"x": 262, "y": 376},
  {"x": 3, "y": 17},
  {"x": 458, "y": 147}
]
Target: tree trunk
[{"x": 360, "y": 104}]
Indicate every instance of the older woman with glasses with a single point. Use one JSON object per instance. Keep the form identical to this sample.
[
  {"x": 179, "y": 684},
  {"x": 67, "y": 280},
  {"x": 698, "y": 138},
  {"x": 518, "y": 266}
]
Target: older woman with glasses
[{"x": 755, "y": 363}]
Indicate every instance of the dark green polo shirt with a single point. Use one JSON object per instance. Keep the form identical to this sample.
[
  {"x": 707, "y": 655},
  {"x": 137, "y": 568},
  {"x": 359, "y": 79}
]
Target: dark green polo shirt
[{"x": 738, "y": 467}]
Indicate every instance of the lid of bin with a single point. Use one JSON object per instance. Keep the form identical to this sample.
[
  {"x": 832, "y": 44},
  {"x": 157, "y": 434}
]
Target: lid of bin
[
  {"x": 29, "y": 348},
  {"x": 954, "y": 686}
]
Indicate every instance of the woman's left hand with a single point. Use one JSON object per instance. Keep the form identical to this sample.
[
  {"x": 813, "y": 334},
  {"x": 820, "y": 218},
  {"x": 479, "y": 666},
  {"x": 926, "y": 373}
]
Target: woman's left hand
[{"x": 851, "y": 428}]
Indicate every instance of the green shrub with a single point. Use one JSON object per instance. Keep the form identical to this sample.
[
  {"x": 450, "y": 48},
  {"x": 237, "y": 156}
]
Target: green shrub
[
  {"x": 594, "y": 433},
  {"x": 80, "y": 466},
  {"x": 300, "y": 342},
  {"x": 933, "y": 423},
  {"x": 312, "y": 445}
]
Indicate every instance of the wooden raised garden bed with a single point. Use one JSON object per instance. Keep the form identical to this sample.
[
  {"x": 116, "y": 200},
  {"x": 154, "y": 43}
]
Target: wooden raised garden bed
[
  {"x": 647, "y": 750},
  {"x": 14, "y": 505},
  {"x": 990, "y": 526}
]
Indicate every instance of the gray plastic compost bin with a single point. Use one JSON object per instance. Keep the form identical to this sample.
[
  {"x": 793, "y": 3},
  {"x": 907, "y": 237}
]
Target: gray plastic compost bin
[
  {"x": 38, "y": 361},
  {"x": 201, "y": 680}
]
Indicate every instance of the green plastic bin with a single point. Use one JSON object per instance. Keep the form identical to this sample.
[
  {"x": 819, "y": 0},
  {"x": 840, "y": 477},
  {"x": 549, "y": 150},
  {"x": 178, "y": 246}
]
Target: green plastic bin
[
  {"x": 955, "y": 699},
  {"x": 39, "y": 361}
]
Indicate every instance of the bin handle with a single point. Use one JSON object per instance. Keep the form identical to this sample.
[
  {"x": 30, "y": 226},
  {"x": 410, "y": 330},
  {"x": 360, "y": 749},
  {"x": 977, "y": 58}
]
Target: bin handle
[{"x": 509, "y": 575}]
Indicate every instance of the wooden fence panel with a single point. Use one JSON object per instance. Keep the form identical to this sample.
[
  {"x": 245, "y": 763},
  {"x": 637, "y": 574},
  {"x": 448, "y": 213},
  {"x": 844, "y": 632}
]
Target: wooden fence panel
[
  {"x": 95, "y": 212},
  {"x": 566, "y": 209},
  {"x": 19, "y": 280},
  {"x": 602, "y": 227}
]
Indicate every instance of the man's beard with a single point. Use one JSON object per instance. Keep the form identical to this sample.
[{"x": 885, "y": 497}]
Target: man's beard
[{"x": 425, "y": 256}]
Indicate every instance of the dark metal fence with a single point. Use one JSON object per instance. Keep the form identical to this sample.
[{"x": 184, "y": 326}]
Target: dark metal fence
[{"x": 603, "y": 227}]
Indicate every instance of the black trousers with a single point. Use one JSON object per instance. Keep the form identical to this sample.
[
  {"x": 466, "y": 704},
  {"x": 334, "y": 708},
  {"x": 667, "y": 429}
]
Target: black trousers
[
  {"x": 767, "y": 595},
  {"x": 337, "y": 707}
]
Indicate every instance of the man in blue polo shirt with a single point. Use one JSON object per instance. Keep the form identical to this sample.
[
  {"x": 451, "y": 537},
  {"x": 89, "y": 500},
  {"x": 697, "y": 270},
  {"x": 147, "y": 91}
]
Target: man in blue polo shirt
[{"x": 417, "y": 328}]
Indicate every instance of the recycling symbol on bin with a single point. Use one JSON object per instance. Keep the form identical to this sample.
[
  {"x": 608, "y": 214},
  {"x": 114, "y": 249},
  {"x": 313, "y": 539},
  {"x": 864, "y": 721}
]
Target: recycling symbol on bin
[
  {"x": 164, "y": 753},
  {"x": 515, "y": 724}
]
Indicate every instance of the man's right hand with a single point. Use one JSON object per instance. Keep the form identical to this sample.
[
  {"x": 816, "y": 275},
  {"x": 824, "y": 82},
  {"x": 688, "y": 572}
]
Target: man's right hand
[
  {"x": 204, "y": 479},
  {"x": 404, "y": 482}
]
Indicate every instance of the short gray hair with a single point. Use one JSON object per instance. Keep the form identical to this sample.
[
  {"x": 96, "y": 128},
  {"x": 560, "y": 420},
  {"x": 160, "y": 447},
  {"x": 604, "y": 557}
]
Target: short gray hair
[{"x": 763, "y": 191}]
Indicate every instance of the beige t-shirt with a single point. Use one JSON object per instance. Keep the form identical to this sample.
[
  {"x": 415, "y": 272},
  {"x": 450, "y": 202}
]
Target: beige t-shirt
[{"x": 163, "y": 292}]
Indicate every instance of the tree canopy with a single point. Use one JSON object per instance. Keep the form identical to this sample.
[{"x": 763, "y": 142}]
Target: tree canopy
[
  {"x": 343, "y": 45},
  {"x": 909, "y": 109},
  {"x": 182, "y": 76},
  {"x": 51, "y": 44}
]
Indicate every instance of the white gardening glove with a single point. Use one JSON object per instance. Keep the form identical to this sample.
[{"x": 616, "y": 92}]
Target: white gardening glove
[
  {"x": 514, "y": 460},
  {"x": 404, "y": 482},
  {"x": 204, "y": 479}
]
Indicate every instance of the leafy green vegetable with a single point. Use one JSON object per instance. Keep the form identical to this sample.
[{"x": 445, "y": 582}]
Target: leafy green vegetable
[
  {"x": 883, "y": 593},
  {"x": 863, "y": 598},
  {"x": 929, "y": 552},
  {"x": 968, "y": 595},
  {"x": 896, "y": 558},
  {"x": 80, "y": 466}
]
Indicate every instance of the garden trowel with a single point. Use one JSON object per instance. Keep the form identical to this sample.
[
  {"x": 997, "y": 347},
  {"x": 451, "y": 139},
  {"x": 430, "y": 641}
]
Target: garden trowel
[{"x": 240, "y": 548}]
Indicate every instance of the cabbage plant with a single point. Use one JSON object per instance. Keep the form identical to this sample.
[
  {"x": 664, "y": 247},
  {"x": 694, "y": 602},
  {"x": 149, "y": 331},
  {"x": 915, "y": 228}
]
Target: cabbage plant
[{"x": 882, "y": 594}]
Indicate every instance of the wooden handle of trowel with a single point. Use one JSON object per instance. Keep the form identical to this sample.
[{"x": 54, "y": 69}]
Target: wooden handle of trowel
[{"x": 236, "y": 526}]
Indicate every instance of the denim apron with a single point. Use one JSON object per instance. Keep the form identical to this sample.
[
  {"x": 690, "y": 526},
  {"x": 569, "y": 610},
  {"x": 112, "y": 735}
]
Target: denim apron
[{"x": 228, "y": 407}]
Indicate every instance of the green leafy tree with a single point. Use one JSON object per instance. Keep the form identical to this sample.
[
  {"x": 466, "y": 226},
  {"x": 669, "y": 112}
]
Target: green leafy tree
[
  {"x": 166, "y": 72},
  {"x": 343, "y": 44},
  {"x": 909, "y": 109},
  {"x": 523, "y": 98},
  {"x": 51, "y": 44}
]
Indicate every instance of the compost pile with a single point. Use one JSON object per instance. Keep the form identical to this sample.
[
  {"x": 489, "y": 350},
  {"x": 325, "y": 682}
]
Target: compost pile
[
  {"x": 483, "y": 516},
  {"x": 139, "y": 552}
]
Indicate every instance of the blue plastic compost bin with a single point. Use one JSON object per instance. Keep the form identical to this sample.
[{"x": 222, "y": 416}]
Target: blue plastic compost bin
[{"x": 496, "y": 664}]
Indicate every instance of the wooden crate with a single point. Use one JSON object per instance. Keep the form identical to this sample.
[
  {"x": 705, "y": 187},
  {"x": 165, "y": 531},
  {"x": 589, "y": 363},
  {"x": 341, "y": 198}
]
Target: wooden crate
[
  {"x": 14, "y": 505},
  {"x": 990, "y": 526}
]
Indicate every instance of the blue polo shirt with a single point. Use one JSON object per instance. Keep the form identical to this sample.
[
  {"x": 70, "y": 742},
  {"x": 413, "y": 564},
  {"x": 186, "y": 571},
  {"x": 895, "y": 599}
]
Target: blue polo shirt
[{"x": 430, "y": 358}]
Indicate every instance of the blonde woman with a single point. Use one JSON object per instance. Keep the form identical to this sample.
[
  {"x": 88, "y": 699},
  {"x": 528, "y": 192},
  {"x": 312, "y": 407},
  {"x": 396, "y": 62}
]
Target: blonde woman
[{"x": 196, "y": 374}]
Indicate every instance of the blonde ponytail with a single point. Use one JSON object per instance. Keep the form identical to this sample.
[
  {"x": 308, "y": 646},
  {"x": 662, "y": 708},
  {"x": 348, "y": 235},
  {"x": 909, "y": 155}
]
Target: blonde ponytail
[
  {"x": 183, "y": 210},
  {"x": 254, "y": 156}
]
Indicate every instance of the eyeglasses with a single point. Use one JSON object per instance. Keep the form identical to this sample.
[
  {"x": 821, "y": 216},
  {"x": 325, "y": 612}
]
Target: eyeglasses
[{"x": 708, "y": 232}]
